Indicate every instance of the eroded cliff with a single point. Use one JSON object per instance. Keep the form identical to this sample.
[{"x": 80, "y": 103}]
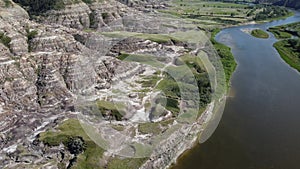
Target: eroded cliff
[{"x": 48, "y": 60}]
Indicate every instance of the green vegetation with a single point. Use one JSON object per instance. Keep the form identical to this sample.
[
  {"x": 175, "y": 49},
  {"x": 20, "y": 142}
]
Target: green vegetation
[
  {"x": 88, "y": 1},
  {"x": 279, "y": 34},
  {"x": 159, "y": 38},
  {"x": 289, "y": 50},
  {"x": 5, "y": 40},
  {"x": 209, "y": 12},
  {"x": 154, "y": 128},
  {"x": 149, "y": 128},
  {"x": 191, "y": 36},
  {"x": 259, "y": 34},
  {"x": 7, "y": 3},
  {"x": 30, "y": 35},
  {"x": 87, "y": 153},
  {"x": 149, "y": 81},
  {"x": 144, "y": 59},
  {"x": 272, "y": 12},
  {"x": 39, "y": 7},
  {"x": 71, "y": 134},
  {"x": 111, "y": 111},
  {"x": 127, "y": 163},
  {"x": 170, "y": 86},
  {"x": 227, "y": 57},
  {"x": 171, "y": 89},
  {"x": 286, "y": 31},
  {"x": 202, "y": 79},
  {"x": 213, "y": 13},
  {"x": 118, "y": 127}
]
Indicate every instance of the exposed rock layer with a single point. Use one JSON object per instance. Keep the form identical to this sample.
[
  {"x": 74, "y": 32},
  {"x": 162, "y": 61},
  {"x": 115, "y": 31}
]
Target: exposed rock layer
[{"x": 50, "y": 60}]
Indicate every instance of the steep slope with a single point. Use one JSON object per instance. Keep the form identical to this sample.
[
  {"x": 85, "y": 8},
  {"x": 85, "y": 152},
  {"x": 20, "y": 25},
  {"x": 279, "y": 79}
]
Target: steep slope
[
  {"x": 289, "y": 3},
  {"x": 54, "y": 54}
]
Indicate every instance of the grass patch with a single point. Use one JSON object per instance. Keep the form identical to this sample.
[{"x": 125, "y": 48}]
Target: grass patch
[
  {"x": 143, "y": 59},
  {"x": 149, "y": 128},
  {"x": 286, "y": 31},
  {"x": 149, "y": 81},
  {"x": 289, "y": 49},
  {"x": 166, "y": 123},
  {"x": 118, "y": 127},
  {"x": 288, "y": 53},
  {"x": 258, "y": 33},
  {"x": 279, "y": 34},
  {"x": 159, "y": 38},
  {"x": 189, "y": 76},
  {"x": 133, "y": 163},
  {"x": 209, "y": 10},
  {"x": 227, "y": 57},
  {"x": 190, "y": 36},
  {"x": 111, "y": 110},
  {"x": 72, "y": 129}
]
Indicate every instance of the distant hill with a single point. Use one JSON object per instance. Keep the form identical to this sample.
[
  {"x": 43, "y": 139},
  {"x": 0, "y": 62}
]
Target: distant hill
[{"x": 288, "y": 3}]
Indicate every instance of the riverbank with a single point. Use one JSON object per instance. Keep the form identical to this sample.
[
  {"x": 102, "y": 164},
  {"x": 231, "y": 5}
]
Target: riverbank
[
  {"x": 289, "y": 45},
  {"x": 238, "y": 128},
  {"x": 225, "y": 54},
  {"x": 288, "y": 53}
]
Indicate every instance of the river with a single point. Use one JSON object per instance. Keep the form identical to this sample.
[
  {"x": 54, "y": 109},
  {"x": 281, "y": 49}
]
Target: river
[{"x": 260, "y": 127}]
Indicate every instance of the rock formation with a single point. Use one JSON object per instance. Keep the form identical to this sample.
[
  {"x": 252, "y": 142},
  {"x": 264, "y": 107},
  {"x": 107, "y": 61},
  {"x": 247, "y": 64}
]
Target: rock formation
[{"x": 51, "y": 58}]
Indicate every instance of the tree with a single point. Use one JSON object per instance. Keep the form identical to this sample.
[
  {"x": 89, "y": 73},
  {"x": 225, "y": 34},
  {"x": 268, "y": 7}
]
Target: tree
[{"x": 76, "y": 145}]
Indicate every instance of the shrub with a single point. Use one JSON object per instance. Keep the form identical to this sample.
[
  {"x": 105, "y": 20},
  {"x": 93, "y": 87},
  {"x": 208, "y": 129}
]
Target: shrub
[
  {"x": 36, "y": 7},
  {"x": 76, "y": 145},
  {"x": 7, "y": 3},
  {"x": 5, "y": 39}
]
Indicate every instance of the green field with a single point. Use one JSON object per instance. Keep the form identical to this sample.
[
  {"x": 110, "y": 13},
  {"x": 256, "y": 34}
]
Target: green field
[{"x": 210, "y": 13}]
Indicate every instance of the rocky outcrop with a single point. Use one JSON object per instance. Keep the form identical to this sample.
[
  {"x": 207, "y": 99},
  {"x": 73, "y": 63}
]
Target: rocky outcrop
[
  {"x": 145, "y": 5},
  {"x": 73, "y": 16},
  {"x": 64, "y": 54},
  {"x": 39, "y": 74},
  {"x": 81, "y": 16}
]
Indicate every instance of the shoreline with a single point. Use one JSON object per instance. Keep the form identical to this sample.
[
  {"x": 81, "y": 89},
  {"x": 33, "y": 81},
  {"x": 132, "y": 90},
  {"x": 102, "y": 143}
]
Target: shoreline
[
  {"x": 194, "y": 142},
  {"x": 253, "y": 22},
  {"x": 232, "y": 26},
  {"x": 179, "y": 142}
]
